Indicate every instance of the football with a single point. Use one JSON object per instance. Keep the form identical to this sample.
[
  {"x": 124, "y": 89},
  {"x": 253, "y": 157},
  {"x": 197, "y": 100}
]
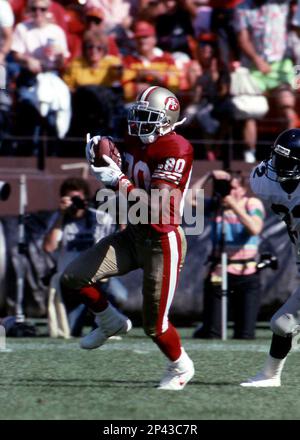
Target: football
[{"x": 108, "y": 147}]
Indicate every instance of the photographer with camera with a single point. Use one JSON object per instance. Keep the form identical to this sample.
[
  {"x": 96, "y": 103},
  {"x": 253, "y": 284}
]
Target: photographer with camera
[
  {"x": 73, "y": 229},
  {"x": 236, "y": 222}
]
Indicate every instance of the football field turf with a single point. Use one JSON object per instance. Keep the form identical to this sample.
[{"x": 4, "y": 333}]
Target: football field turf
[{"x": 54, "y": 379}]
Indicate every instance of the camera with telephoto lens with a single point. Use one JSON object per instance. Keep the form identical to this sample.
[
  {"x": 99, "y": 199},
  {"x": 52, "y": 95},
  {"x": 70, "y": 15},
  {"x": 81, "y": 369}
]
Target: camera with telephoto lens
[
  {"x": 77, "y": 204},
  {"x": 221, "y": 187},
  {"x": 267, "y": 260},
  {"x": 4, "y": 190}
]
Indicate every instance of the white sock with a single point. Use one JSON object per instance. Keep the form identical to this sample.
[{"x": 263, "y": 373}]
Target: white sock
[
  {"x": 273, "y": 367},
  {"x": 183, "y": 359}
]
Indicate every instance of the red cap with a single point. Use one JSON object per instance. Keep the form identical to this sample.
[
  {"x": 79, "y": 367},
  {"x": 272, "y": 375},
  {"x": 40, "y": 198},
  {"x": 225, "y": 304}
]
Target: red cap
[
  {"x": 143, "y": 29},
  {"x": 95, "y": 12}
]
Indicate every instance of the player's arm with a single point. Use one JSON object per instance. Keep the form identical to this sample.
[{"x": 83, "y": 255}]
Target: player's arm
[{"x": 113, "y": 177}]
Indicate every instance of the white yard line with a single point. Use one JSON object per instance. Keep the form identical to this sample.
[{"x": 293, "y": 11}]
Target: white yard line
[{"x": 136, "y": 347}]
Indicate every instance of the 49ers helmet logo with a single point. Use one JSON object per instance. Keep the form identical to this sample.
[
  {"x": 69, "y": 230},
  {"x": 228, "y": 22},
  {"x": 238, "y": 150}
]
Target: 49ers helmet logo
[{"x": 172, "y": 103}]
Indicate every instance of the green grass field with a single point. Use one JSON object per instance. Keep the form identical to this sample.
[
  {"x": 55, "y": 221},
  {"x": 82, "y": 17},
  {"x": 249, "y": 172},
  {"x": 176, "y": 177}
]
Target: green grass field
[{"x": 54, "y": 379}]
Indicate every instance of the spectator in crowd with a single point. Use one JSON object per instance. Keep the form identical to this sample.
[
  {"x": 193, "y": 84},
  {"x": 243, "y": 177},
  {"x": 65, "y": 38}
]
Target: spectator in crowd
[
  {"x": 6, "y": 28},
  {"x": 117, "y": 20},
  {"x": 116, "y": 13},
  {"x": 56, "y": 12},
  {"x": 95, "y": 80},
  {"x": 94, "y": 21},
  {"x": 261, "y": 27},
  {"x": 236, "y": 222},
  {"x": 294, "y": 33},
  {"x": 222, "y": 24},
  {"x": 73, "y": 229},
  {"x": 40, "y": 46},
  {"x": 75, "y": 26},
  {"x": 149, "y": 10},
  {"x": 210, "y": 100},
  {"x": 149, "y": 65},
  {"x": 174, "y": 28},
  {"x": 67, "y": 18},
  {"x": 95, "y": 67},
  {"x": 201, "y": 12}
]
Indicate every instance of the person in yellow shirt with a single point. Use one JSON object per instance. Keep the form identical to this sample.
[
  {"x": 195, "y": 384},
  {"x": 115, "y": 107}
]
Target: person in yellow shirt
[
  {"x": 149, "y": 65},
  {"x": 95, "y": 66},
  {"x": 95, "y": 82}
]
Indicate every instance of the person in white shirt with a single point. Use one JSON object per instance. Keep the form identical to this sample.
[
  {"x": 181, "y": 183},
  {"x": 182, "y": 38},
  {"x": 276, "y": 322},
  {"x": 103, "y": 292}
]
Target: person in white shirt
[
  {"x": 38, "y": 44},
  {"x": 43, "y": 100},
  {"x": 6, "y": 28},
  {"x": 276, "y": 182}
]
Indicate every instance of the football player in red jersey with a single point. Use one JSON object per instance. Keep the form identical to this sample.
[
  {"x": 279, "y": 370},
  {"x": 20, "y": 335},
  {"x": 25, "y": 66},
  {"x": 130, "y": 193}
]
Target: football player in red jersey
[{"x": 160, "y": 160}]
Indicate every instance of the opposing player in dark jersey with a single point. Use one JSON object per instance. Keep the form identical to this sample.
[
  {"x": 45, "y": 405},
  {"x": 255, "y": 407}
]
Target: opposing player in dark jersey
[
  {"x": 159, "y": 160},
  {"x": 276, "y": 181}
]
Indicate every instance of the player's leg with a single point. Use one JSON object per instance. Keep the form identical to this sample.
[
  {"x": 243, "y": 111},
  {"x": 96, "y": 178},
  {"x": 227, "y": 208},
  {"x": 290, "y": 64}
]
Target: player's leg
[
  {"x": 162, "y": 261},
  {"x": 111, "y": 256},
  {"x": 285, "y": 324}
]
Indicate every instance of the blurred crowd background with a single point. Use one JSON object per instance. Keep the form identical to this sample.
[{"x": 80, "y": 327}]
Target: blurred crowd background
[{"x": 74, "y": 66}]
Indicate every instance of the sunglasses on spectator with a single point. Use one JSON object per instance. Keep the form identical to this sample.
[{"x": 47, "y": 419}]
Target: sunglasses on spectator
[
  {"x": 38, "y": 8},
  {"x": 93, "y": 46}
]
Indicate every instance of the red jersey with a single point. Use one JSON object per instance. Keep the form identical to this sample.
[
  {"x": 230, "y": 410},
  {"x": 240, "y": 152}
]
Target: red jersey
[
  {"x": 168, "y": 160},
  {"x": 227, "y": 4}
]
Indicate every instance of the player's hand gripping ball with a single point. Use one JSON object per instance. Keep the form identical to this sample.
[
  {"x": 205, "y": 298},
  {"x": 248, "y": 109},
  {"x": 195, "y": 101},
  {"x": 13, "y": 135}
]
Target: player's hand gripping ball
[
  {"x": 99, "y": 146},
  {"x": 105, "y": 160}
]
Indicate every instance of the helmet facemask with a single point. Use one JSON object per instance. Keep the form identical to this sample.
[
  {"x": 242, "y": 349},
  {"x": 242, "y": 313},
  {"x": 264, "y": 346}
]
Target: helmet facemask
[{"x": 147, "y": 123}]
